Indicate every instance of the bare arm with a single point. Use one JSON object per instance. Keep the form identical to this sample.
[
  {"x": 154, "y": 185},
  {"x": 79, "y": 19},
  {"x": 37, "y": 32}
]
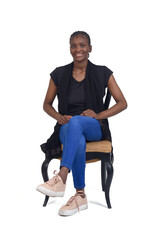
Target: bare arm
[
  {"x": 120, "y": 105},
  {"x": 48, "y": 101}
]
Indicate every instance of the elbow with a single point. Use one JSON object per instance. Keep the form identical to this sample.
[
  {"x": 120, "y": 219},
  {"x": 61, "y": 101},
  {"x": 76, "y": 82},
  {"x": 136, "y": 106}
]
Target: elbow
[
  {"x": 125, "y": 104},
  {"x": 44, "y": 106},
  {"x": 47, "y": 106},
  {"x": 122, "y": 105}
]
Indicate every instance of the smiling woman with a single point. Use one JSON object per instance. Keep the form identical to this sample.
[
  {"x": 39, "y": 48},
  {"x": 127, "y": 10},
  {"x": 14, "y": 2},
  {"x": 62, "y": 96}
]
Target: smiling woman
[
  {"x": 80, "y": 47},
  {"x": 80, "y": 87}
]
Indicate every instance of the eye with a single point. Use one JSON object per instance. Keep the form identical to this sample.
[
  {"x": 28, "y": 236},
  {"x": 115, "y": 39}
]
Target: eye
[
  {"x": 83, "y": 45},
  {"x": 73, "y": 46}
]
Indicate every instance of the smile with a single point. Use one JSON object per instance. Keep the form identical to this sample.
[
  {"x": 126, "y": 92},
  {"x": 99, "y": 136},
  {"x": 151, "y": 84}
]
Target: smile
[{"x": 79, "y": 55}]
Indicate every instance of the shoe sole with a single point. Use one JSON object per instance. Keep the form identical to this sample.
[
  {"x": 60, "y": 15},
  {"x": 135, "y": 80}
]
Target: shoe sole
[
  {"x": 49, "y": 193},
  {"x": 73, "y": 211}
]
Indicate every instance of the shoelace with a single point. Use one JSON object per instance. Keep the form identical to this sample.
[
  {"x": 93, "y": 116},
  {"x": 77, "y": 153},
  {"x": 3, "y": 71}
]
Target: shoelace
[
  {"x": 54, "y": 180},
  {"x": 79, "y": 193}
]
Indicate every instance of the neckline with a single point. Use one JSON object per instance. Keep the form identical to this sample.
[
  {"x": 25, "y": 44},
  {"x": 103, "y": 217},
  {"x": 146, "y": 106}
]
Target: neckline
[{"x": 78, "y": 81}]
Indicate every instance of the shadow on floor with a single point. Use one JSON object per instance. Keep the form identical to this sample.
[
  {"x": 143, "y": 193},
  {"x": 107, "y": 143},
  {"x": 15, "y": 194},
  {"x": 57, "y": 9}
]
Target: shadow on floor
[{"x": 97, "y": 203}]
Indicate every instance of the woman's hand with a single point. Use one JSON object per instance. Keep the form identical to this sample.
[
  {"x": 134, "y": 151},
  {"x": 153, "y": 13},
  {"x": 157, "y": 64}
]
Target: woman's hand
[
  {"x": 63, "y": 119},
  {"x": 89, "y": 113}
]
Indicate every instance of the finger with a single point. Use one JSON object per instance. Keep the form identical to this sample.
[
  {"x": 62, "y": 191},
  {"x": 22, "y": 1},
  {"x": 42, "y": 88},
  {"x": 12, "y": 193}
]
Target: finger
[
  {"x": 62, "y": 120},
  {"x": 69, "y": 117},
  {"x": 86, "y": 111},
  {"x": 65, "y": 117}
]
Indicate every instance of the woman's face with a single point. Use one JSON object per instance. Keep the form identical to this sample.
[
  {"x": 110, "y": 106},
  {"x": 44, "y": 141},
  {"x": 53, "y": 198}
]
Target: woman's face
[{"x": 80, "y": 48}]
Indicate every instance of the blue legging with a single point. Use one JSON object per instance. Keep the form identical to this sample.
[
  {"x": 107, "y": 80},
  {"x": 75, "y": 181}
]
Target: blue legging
[{"x": 73, "y": 135}]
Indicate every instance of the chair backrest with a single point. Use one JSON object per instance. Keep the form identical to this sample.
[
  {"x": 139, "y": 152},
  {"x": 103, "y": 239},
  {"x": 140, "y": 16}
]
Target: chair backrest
[{"x": 107, "y": 99}]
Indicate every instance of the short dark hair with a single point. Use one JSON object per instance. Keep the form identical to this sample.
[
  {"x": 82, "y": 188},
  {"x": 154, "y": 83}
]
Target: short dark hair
[{"x": 81, "y": 33}]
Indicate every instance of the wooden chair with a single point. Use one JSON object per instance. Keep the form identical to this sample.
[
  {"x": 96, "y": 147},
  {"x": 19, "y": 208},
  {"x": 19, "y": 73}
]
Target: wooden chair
[{"x": 95, "y": 151}]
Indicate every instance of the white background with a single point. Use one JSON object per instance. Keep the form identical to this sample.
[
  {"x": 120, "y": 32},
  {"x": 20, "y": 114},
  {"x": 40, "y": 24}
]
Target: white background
[{"x": 34, "y": 40}]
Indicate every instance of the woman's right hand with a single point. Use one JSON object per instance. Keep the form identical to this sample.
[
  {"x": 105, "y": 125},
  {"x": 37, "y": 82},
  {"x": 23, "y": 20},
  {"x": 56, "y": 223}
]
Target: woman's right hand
[{"x": 63, "y": 119}]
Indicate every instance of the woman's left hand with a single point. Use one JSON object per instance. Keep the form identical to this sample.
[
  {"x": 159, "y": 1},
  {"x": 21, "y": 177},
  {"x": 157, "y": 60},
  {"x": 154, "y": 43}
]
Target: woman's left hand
[{"x": 89, "y": 113}]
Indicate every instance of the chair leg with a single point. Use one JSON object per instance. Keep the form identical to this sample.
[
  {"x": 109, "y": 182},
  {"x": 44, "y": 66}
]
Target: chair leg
[
  {"x": 106, "y": 169},
  {"x": 45, "y": 201},
  {"x": 44, "y": 170}
]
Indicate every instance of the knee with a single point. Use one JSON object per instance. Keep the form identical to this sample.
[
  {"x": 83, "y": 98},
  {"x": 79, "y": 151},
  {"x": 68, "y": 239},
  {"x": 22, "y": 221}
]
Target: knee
[{"x": 75, "y": 121}]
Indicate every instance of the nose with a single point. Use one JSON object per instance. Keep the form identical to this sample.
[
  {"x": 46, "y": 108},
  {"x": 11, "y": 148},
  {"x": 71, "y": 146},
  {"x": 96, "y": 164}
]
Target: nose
[{"x": 78, "y": 49}]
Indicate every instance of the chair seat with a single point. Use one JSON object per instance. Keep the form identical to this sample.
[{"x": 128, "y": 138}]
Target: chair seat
[{"x": 103, "y": 146}]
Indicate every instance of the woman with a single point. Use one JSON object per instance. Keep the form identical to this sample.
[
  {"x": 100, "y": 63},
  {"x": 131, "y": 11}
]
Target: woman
[{"x": 80, "y": 87}]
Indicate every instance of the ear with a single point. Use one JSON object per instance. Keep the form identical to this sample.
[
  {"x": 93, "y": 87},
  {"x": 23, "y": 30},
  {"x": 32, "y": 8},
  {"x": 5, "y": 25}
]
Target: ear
[{"x": 90, "y": 48}]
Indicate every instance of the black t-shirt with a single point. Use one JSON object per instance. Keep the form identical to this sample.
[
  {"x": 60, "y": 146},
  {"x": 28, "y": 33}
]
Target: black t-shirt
[{"x": 76, "y": 98}]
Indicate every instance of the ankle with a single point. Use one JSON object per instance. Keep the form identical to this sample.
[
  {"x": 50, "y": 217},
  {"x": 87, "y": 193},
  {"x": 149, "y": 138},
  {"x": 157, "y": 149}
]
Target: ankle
[
  {"x": 62, "y": 177},
  {"x": 81, "y": 192},
  {"x": 63, "y": 174}
]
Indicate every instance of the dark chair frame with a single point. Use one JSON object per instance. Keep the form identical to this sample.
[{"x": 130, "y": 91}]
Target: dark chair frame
[{"x": 106, "y": 165}]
